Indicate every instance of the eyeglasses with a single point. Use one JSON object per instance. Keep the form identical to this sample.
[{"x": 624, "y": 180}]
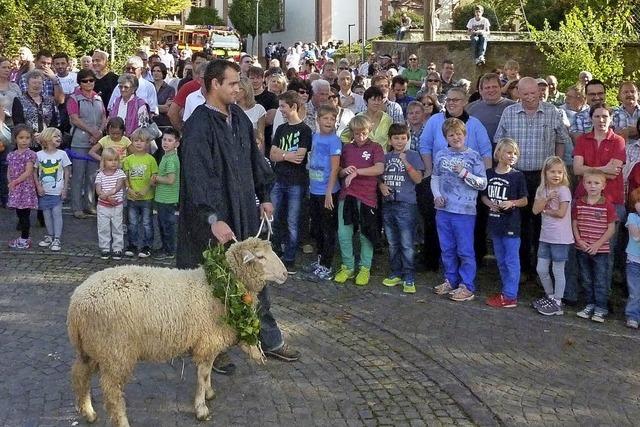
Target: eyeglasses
[
  {"x": 130, "y": 68},
  {"x": 413, "y": 59},
  {"x": 303, "y": 91},
  {"x": 453, "y": 99},
  {"x": 343, "y": 68},
  {"x": 124, "y": 87},
  {"x": 433, "y": 80},
  {"x": 87, "y": 81}
]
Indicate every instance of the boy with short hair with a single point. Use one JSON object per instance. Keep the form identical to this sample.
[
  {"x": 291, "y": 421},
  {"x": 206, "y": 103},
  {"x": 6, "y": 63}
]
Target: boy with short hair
[
  {"x": 140, "y": 166},
  {"x": 402, "y": 171},
  {"x": 288, "y": 152},
  {"x": 593, "y": 221},
  {"x": 324, "y": 163},
  {"x": 167, "y": 183},
  {"x": 478, "y": 28}
]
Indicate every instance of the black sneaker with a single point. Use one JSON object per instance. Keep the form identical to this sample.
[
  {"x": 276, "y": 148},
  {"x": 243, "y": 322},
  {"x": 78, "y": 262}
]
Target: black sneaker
[
  {"x": 162, "y": 255},
  {"x": 291, "y": 266},
  {"x": 130, "y": 251},
  {"x": 117, "y": 255},
  {"x": 283, "y": 353},
  {"x": 145, "y": 252},
  {"x": 104, "y": 255},
  {"x": 223, "y": 365}
]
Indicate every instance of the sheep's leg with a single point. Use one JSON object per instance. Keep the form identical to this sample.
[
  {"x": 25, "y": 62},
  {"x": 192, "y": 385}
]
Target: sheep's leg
[
  {"x": 112, "y": 382},
  {"x": 81, "y": 373},
  {"x": 204, "y": 390}
]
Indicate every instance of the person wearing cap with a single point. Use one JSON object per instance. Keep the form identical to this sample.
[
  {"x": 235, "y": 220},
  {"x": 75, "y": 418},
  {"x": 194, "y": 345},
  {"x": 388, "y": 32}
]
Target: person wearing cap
[
  {"x": 543, "y": 89},
  {"x": 555, "y": 96},
  {"x": 146, "y": 90}
]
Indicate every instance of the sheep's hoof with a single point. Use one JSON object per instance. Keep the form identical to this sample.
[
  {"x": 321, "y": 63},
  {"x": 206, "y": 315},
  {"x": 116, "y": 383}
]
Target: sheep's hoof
[
  {"x": 202, "y": 412},
  {"x": 209, "y": 394},
  {"x": 91, "y": 417}
]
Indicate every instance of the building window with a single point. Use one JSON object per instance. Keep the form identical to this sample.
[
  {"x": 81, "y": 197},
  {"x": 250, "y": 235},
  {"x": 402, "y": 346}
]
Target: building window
[{"x": 279, "y": 26}]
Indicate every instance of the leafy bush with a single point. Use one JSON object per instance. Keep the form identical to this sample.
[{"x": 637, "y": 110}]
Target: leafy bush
[
  {"x": 391, "y": 25},
  {"x": 590, "y": 41},
  {"x": 204, "y": 16},
  {"x": 462, "y": 14}
]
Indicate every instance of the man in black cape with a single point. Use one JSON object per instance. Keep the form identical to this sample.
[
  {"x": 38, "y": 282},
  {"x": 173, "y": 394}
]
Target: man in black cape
[{"x": 222, "y": 172}]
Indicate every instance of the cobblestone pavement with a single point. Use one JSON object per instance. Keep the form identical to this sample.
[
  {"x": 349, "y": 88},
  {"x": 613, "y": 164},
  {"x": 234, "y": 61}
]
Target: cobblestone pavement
[{"x": 371, "y": 356}]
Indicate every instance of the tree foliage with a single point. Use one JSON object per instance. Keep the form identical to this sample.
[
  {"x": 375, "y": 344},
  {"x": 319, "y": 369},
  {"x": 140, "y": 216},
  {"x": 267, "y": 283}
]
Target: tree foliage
[
  {"x": 76, "y": 27},
  {"x": 148, "y": 10},
  {"x": 391, "y": 25},
  {"x": 587, "y": 40},
  {"x": 243, "y": 16},
  {"x": 204, "y": 16}
]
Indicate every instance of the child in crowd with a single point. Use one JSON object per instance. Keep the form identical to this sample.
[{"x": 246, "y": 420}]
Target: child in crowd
[
  {"x": 115, "y": 139},
  {"x": 140, "y": 166},
  {"x": 593, "y": 223},
  {"x": 506, "y": 192},
  {"x": 478, "y": 29},
  {"x": 22, "y": 187},
  {"x": 289, "y": 147},
  {"x": 402, "y": 171},
  {"x": 167, "y": 183},
  {"x": 361, "y": 163},
  {"x": 511, "y": 73},
  {"x": 110, "y": 183},
  {"x": 552, "y": 202},
  {"x": 324, "y": 162},
  {"x": 458, "y": 174},
  {"x": 632, "y": 310},
  {"x": 52, "y": 184}
]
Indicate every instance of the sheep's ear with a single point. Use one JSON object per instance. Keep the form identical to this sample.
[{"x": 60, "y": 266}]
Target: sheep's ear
[{"x": 247, "y": 256}]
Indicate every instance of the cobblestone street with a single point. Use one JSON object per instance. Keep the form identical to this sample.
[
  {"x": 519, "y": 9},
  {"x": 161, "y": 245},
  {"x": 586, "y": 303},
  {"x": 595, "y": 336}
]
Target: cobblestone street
[{"x": 370, "y": 356}]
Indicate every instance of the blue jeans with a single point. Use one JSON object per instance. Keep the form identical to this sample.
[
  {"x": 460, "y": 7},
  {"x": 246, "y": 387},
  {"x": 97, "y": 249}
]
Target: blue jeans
[
  {"x": 289, "y": 196},
  {"x": 593, "y": 275},
  {"x": 504, "y": 248},
  {"x": 399, "y": 226},
  {"x": 167, "y": 226},
  {"x": 270, "y": 334},
  {"x": 455, "y": 232},
  {"x": 632, "y": 310},
  {"x": 479, "y": 43},
  {"x": 140, "y": 212}
]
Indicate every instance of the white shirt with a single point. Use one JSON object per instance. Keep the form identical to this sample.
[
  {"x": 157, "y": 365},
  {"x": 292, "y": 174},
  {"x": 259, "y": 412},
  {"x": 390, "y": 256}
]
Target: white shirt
[
  {"x": 194, "y": 99},
  {"x": 255, "y": 114},
  {"x": 358, "y": 105},
  {"x": 69, "y": 83},
  {"x": 146, "y": 90},
  {"x": 343, "y": 119}
]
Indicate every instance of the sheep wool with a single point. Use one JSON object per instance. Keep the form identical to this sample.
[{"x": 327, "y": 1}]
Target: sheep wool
[{"x": 121, "y": 315}]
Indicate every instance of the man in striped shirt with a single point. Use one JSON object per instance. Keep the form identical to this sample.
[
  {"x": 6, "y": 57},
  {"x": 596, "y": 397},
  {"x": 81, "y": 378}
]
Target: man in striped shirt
[{"x": 539, "y": 130}]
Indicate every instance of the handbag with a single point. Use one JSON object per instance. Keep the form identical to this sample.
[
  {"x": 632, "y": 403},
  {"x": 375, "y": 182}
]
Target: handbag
[{"x": 153, "y": 130}]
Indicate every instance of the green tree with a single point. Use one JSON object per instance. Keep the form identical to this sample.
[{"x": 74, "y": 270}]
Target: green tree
[
  {"x": 148, "y": 10},
  {"x": 204, "y": 16},
  {"x": 243, "y": 16},
  {"x": 587, "y": 40}
]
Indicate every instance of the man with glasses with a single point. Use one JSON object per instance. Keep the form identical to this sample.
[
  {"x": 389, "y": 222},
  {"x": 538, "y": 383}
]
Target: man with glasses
[
  {"x": 146, "y": 90},
  {"x": 595, "y": 92},
  {"x": 414, "y": 75},
  {"x": 348, "y": 98}
]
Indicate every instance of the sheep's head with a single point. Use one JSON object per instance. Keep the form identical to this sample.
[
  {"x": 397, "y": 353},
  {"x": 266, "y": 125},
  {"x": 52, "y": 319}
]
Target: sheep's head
[{"x": 254, "y": 263}]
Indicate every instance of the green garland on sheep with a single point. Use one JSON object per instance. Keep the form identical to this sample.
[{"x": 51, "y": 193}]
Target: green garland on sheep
[{"x": 242, "y": 315}]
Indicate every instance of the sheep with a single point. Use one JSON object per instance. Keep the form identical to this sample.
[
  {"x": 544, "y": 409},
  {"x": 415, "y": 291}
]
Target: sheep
[{"x": 122, "y": 315}]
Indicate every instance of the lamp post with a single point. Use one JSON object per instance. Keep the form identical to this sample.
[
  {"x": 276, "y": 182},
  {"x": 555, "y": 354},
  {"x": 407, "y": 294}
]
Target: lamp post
[
  {"x": 255, "y": 39},
  {"x": 349, "y": 36}
]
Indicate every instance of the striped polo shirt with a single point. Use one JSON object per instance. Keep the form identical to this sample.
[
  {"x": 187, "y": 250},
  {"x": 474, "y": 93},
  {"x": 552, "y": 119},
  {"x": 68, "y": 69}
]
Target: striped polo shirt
[{"x": 593, "y": 220}]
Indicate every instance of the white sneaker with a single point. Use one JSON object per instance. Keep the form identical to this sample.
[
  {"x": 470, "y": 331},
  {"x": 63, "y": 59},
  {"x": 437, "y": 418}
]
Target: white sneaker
[
  {"x": 46, "y": 242},
  {"x": 56, "y": 245}
]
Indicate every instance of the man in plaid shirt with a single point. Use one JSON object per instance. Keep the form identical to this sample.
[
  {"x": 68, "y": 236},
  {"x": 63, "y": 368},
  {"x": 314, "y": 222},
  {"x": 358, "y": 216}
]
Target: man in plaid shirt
[
  {"x": 539, "y": 130},
  {"x": 624, "y": 123},
  {"x": 595, "y": 92}
]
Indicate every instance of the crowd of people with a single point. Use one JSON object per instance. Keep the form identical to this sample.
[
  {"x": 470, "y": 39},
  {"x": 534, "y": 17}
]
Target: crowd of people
[{"x": 405, "y": 153}]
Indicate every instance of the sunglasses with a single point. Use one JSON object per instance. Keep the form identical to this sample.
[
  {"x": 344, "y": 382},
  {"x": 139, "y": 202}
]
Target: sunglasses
[
  {"x": 87, "y": 81},
  {"x": 303, "y": 91},
  {"x": 343, "y": 68},
  {"x": 413, "y": 59},
  {"x": 433, "y": 80}
]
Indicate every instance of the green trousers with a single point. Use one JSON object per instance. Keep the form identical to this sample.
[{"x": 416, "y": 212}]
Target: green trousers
[{"x": 345, "y": 239}]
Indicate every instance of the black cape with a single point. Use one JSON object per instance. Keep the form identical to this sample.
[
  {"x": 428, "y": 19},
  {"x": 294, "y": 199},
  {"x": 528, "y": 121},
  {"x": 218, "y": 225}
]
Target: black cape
[{"x": 222, "y": 172}]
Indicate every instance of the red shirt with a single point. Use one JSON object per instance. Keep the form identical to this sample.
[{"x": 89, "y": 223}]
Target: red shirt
[
  {"x": 594, "y": 155},
  {"x": 593, "y": 220},
  {"x": 185, "y": 90},
  {"x": 363, "y": 188},
  {"x": 634, "y": 178}
]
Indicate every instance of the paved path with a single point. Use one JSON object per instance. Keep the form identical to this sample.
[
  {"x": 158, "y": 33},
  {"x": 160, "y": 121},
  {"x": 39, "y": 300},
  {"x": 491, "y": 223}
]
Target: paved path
[{"x": 371, "y": 356}]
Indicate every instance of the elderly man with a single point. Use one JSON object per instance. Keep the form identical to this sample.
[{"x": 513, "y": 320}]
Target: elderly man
[
  {"x": 540, "y": 132},
  {"x": 624, "y": 122},
  {"x": 106, "y": 80},
  {"x": 320, "y": 92},
  {"x": 555, "y": 96},
  {"x": 146, "y": 89},
  {"x": 348, "y": 98}
]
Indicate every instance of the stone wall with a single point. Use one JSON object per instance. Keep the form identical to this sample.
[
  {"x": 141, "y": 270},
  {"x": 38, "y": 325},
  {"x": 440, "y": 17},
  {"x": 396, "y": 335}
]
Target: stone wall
[{"x": 531, "y": 60}]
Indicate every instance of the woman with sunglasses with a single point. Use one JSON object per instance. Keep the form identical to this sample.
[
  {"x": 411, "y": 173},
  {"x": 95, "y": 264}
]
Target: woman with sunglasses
[
  {"x": 414, "y": 75},
  {"x": 433, "y": 86},
  {"x": 88, "y": 118},
  {"x": 303, "y": 87}
]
